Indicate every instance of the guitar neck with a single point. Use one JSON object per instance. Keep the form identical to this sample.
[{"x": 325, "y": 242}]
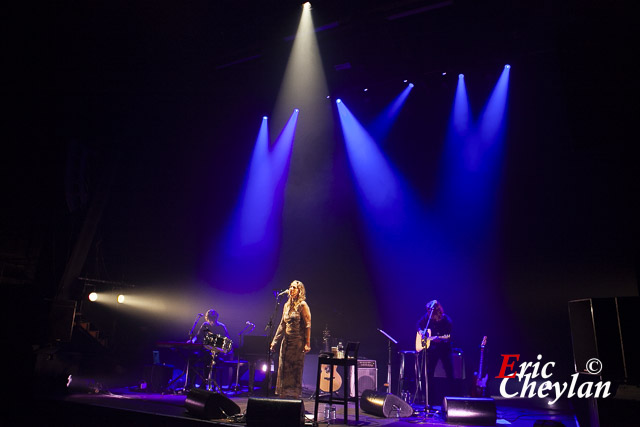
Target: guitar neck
[{"x": 481, "y": 362}]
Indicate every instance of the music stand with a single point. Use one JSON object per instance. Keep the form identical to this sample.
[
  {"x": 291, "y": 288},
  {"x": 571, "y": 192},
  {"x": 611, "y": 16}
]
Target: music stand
[{"x": 391, "y": 340}]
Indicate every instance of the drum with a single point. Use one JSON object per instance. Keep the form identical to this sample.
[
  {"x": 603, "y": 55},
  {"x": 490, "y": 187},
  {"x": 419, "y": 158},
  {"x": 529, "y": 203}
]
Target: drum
[{"x": 217, "y": 343}]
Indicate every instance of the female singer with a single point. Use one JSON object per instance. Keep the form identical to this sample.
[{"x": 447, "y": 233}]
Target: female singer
[{"x": 295, "y": 327}]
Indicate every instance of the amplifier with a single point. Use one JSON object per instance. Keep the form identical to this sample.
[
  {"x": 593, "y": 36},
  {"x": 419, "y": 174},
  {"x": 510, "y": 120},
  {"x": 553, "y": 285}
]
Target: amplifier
[
  {"x": 366, "y": 364},
  {"x": 367, "y": 377}
]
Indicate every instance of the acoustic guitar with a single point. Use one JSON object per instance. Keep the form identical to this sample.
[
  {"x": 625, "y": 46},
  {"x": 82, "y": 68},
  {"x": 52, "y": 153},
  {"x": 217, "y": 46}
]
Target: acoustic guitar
[
  {"x": 328, "y": 375},
  {"x": 424, "y": 338},
  {"x": 479, "y": 388}
]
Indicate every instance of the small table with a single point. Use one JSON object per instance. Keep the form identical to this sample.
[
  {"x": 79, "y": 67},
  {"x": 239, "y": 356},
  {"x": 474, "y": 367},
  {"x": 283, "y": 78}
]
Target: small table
[{"x": 346, "y": 363}]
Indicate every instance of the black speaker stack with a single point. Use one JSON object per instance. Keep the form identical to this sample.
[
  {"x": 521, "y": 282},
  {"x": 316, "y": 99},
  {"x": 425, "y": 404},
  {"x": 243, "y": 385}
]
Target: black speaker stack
[{"x": 606, "y": 329}]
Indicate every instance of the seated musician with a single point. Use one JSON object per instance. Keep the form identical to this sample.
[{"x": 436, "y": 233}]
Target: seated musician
[{"x": 212, "y": 325}]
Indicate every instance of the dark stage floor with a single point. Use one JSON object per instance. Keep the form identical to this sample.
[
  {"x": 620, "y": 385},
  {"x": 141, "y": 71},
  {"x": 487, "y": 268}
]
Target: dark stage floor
[{"x": 121, "y": 407}]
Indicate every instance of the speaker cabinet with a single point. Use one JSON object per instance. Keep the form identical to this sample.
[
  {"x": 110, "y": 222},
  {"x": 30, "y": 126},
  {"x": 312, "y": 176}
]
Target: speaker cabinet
[
  {"x": 479, "y": 411},
  {"x": 457, "y": 360},
  {"x": 367, "y": 377},
  {"x": 604, "y": 328},
  {"x": 384, "y": 404},
  {"x": 208, "y": 405},
  {"x": 61, "y": 318},
  {"x": 267, "y": 412}
]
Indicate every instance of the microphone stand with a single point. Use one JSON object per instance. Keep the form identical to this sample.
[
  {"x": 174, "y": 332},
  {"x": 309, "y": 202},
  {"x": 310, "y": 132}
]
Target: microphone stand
[
  {"x": 426, "y": 377},
  {"x": 391, "y": 340},
  {"x": 188, "y": 368},
  {"x": 251, "y": 327},
  {"x": 193, "y": 328},
  {"x": 269, "y": 327}
]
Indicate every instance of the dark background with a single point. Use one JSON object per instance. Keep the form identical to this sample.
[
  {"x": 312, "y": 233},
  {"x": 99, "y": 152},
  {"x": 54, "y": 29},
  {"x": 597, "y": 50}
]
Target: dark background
[{"x": 167, "y": 97}]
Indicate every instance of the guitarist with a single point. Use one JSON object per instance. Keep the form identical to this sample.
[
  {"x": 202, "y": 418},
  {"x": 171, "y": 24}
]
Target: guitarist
[{"x": 435, "y": 337}]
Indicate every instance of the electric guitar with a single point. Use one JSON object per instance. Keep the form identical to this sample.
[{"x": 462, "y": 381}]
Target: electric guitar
[
  {"x": 480, "y": 384},
  {"x": 424, "y": 338},
  {"x": 327, "y": 375}
]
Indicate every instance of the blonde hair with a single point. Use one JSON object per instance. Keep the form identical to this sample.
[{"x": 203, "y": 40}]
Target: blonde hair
[{"x": 302, "y": 295}]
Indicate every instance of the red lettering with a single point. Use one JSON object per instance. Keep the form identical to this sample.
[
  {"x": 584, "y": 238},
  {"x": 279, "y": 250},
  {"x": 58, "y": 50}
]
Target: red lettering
[{"x": 506, "y": 364}]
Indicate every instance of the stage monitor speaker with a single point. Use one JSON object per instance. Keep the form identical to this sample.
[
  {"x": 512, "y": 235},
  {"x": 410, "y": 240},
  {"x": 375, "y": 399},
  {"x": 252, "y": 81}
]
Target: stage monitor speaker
[
  {"x": 383, "y": 404},
  {"x": 209, "y": 405},
  {"x": 267, "y": 412},
  {"x": 475, "y": 411}
]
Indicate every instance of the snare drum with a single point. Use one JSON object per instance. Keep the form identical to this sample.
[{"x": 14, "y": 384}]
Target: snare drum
[{"x": 217, "y": 343}]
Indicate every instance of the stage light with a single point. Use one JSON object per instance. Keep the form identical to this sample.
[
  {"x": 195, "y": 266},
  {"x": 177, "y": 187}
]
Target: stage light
[
  {"x": 444, "y": 74},
  {"x": 93, "y": 296},
  {"x": 328, "y": 97},
  {"x": 306, "y": 5},
  {"x": 264, "y": 117},
  {"x": 461, "y": 76},
  {"x": 507, "y": 66},
  {"x": 365, "y": 89},
  {"x": 296, "y": 110},
  {"x": 338, "y": 101},
  {"x": 405, "y": 81},
  {"x": 410, "y": 84},
  {"x": 120, "y": 299}
]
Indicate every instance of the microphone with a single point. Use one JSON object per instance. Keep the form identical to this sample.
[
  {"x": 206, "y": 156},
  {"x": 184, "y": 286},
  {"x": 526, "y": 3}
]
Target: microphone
[
  {"x": 432, "y": 304},
  {"x": 200, "y": 314},
  {"x": 250, "y": 324},
  {"x": 286, "y": 291}
]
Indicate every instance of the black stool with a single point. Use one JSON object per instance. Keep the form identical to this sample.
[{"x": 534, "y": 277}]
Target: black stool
[{"x": 350, "y": 360}]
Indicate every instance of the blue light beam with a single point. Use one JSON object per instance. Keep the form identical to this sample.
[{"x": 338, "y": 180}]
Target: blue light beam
[
  {"x": 377, "y": 185},
  {"x": 383, "y": 123},
  {"x": 492, "y": 122}
]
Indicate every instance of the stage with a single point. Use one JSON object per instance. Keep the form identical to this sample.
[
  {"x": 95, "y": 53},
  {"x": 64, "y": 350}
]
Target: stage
[{"x": 127, "y": 407}]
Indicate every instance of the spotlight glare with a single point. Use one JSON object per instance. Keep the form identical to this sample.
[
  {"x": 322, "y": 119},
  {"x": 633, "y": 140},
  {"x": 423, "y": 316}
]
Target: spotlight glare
[
  {"x": 264, "y": 117},
  {"x": 507, "y": 66},
  {"x": 306, "y": 5},
  {"x": 365, "y": 89},
  {"x": 405, "y": 81},
  {"x": 410, "y": 84},
  {"x": 93, "y": 296},
  {"x": 120, "y": 299},
  {"x": 444, "y": 73},
  {"x": 338, "y": 101},
  {"x": 296, "y": 110},
  {"x": 328, "y": 97},
  {"x": 461, "y": 76}
]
